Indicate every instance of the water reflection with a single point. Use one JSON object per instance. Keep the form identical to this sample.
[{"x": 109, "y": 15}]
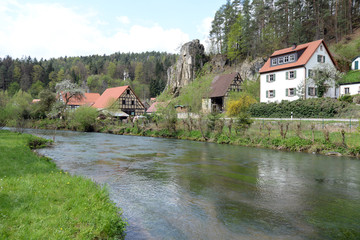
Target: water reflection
[{"x": 172, "y": 189}]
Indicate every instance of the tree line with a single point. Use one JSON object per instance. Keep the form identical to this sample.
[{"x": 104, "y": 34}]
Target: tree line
[
  {"x": 145, "y": 72},
  {"x": 243, "y": 28}
]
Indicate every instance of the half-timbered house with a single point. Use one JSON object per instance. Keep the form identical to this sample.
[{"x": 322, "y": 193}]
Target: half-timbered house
[
  {"x": 120, "y": 99},
  {"x": 221, "y": 87}
]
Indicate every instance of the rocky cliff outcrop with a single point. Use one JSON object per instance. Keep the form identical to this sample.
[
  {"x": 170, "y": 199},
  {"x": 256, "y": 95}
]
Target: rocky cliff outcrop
[
  {"x": 248, "y": 69},
  {"x": 191, "y": 59}
]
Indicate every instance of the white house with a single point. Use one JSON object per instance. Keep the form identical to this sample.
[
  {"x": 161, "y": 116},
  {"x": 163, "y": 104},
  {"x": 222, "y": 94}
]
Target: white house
[
  {"x": 355, "y": 63},
  {"x": 289, "y": 71},
  {"x": 350, "y": 88}
]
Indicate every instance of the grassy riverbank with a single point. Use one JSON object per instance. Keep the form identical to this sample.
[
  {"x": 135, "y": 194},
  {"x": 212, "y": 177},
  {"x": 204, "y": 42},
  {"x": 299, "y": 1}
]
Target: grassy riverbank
[
  {"x": 39, "y": 201},
  {"x": 301, "y": 136}
]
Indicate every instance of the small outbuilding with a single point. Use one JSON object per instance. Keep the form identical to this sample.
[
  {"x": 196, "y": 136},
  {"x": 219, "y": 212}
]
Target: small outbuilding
[
  {"x": 221, "y": 87},
  {"x": 349, "y": 88},
  {"x": 355, "y": 63}
]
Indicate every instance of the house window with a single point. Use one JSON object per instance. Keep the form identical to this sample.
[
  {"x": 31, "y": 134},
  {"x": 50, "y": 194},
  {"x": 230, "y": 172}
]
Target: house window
[
  {"x": 347, "y": 90},
  {"x": 292, "y": 57},
  {"x": 123, "y": 102},
  {"x": 128, "y": 91},
  {"x": 286, "y": 59},
  {"x": 310, "y": 73},
  {"x": 321, "y": 58},
  {"x": 132, "y": 102},
  {"x": 312, "y": 91},
  {"x": 290, "y": 75},
  {"x": 281, "y": 60},
  {"x": 321, "y": 47},
  {"x": 290, "y": 92},
  {"x": 270, "y": 93},
  {"x": 274, "y": 61},
  {"x": 270, "y": 78}
]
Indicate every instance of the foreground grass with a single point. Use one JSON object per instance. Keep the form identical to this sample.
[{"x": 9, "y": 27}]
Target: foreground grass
[{"x": 38, "y": 201}]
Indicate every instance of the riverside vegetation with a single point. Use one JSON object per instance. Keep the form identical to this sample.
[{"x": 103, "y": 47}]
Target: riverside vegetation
[{"x": 39, "y": 201}]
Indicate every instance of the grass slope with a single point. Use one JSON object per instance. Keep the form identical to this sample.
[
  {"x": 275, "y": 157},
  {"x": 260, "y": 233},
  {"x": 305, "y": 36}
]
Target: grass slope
[{"x": 38, "y": 201}]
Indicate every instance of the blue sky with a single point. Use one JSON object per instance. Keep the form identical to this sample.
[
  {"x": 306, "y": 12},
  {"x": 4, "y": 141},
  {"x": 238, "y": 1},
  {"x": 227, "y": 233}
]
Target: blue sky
[{"x": 45, "y": 29}]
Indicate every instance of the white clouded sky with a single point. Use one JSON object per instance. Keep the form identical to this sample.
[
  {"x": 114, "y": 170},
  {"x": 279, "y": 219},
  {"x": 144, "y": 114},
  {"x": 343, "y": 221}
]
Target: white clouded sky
[{"x": 45, "y": 29}]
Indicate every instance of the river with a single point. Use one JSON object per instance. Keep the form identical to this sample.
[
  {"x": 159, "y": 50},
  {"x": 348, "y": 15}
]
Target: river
[{"x": 177, "y": 189}]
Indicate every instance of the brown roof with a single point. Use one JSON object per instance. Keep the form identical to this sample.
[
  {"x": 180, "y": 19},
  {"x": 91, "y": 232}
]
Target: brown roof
[
  {"x": 89, "y": 99},
  {"x": 309, "y": 50},
  {"x": 109, "y": 95},
  {"x": 221, "y": 84}
]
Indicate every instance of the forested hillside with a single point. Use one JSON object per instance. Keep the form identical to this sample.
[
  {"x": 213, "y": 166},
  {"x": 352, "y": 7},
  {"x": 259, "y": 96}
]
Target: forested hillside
[
  {"x": 145, "y": 72},
  {"x": 256, "y": 28}
]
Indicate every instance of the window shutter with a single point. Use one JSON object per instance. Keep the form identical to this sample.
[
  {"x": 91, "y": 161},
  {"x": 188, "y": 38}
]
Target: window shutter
[
  {"x": 267, "y": 94},
  {"x": 309, "y": 92},
  {"x": 274, "y": 93},
  {"x": 287, "y": 75},
  {"x": 274, "y": 77},
  {"x": 267, "y": 78},
  {"x": 294, "y": 91},
  {"x": 295, "y": 74},
  {"x": 323, "y": 59},
  {"x": 286, "y": 92},
  {"x": 315, "y": 91}
]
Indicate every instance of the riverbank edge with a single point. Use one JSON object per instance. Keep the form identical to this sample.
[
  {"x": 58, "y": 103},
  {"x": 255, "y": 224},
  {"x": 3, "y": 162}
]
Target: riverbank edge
[
  {"x": 111, "y": 226},
  {"x": 290, "y": 144}
]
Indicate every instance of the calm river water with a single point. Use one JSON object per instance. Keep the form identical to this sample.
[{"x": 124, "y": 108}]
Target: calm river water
[{"x": 175, "y": 189}]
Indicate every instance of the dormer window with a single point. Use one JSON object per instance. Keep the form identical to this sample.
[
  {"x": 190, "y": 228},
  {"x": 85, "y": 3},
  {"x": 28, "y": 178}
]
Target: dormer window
[
  {"x": 274, "y": 61},
  {"x": 292, "y": 57},
  {"x": 281, "y": 60},
  {"x": 286, "y": 59}
]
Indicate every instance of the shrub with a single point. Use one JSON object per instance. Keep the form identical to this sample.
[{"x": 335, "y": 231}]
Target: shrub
[
  {"x": 84, "y": 119},
  {"x": 356, "y": 99},
  {"x": 346, "y": 98},
  {"x": 315, "y": 107}
]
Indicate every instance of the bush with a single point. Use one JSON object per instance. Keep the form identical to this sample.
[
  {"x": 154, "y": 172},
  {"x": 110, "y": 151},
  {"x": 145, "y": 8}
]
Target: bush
[
  {"x": 356, "y": 99},
  {"x": 84, "y": 119},
  {"x": 346, "y": 98},
  {"x": 310, "y": 108}
]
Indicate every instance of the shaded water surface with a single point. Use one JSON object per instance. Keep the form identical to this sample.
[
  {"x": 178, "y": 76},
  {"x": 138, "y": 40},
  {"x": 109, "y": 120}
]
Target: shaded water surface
[{"x": 174, "y": 189}]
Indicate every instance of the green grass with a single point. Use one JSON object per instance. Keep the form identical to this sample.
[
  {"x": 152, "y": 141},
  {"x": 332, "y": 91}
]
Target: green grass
[
  {"x": 351, "y": 76},
  {"x": 38, "y": 201}
]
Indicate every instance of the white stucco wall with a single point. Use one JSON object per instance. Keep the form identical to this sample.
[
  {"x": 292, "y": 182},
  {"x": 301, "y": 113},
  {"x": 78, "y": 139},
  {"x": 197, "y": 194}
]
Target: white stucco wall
[
  {"x": 353, "y": 63},
  {"x": 281, "y": 84},
  {"x": 353, "y": 89}
]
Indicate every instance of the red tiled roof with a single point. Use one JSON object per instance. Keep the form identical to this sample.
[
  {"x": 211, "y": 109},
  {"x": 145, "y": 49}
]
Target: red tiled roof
[
  {"x": 309, "y": 50},
  {"x": 109, "y": 95},
  {"x": 221, "y": 84},
  {"x": 88, "y": 99}
]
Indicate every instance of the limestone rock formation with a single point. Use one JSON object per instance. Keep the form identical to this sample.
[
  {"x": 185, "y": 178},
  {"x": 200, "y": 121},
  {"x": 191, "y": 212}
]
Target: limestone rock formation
[
  {"x": 248, "y": 69},
  {"x": 191, "y": 59}
]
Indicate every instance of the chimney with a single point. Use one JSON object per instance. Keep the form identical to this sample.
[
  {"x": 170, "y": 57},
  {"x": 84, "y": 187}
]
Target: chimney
[{"x": 294, "y": 46}]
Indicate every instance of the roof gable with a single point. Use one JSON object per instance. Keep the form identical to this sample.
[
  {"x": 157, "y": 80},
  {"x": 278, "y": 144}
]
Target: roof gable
[
  {"x": 89, "y": 99},
  {"x": 109, "y": 95},
  {"x": 309, "y": 50},
  {"x": 221, "y": 84}
]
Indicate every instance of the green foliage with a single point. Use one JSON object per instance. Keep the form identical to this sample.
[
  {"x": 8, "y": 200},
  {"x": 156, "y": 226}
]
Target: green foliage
[
  {"x": 350, "y": 77},
  {"x": 310, "y": 108},
  {"x": 38, "y": 201},
  {"x": 243, "y": 122},
  {"x": 191, "y": 95},
  {"x": 84, "y": 119},
  {"x": 346, "y": 98},
  {"x": 13, "y": 88},
  {"x": 252, "y": 88},
  {"x": 325, "y": 76},
  {"x": 36, "y": 88}
]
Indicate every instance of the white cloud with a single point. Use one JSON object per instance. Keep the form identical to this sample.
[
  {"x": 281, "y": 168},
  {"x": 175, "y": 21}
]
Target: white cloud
[
  {"x": 52, "y": 30},
  {"x": 123, "y": 19},
  {"x": 204, "y": 29}
]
